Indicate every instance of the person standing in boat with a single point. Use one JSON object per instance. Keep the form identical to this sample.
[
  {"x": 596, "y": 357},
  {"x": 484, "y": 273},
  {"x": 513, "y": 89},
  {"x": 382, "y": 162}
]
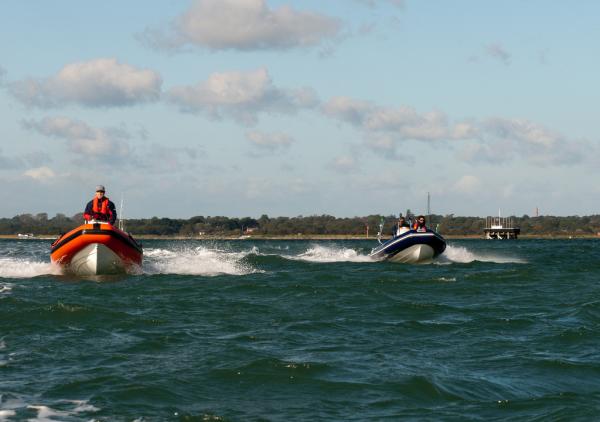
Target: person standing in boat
[
  {"x": 419, "y": 225},
  {"x": 100, "y": 208}
]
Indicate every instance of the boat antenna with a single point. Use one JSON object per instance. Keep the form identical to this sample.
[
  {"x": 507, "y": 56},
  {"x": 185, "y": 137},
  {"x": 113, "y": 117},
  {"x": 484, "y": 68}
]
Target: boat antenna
[
  {"x": 428, "y": 207},
  {"x": 121, "y": 219}
]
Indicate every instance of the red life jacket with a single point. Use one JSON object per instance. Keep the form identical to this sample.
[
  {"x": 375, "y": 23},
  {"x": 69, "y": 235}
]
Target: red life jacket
[{"x": 101, "y": 208}]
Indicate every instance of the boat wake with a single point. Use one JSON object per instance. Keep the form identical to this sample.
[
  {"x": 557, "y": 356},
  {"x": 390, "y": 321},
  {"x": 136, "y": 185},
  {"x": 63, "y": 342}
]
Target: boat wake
[
  {"x": 319, "y": 253},
  {"x": 196, "y": 261},
  {"x": 461, "y": 255},
  {"x": 26, "y": 268},
  {"x": 70, "y": 410}
]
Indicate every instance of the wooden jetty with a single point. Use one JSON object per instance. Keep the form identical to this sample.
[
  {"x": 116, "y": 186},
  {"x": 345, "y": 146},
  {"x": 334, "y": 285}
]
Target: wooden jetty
[{"x": 500, "y": 228}]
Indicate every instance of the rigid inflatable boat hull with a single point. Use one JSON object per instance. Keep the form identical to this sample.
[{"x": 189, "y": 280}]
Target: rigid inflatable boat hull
[
  {"x": 96, "y": 249},
  {"x": 95, "y": 259},
  {"x": 411, "y": 247},
  {"x": 416, "y": 254}
]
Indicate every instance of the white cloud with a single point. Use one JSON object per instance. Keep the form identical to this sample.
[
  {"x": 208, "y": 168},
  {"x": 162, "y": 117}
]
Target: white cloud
[
  {"x": 522, "y": 130},
  {"x": 110, "y": 147},
  {"x": 494, "y": 140},
  {"x": 241, "y": 95},
  {"x": 244, "y": 25},
  {"x": 96, "y": 83},
  {"x": 348, "y": 109},
  {"x": 506, "y": 139},
  {"x": 270, "y": 142},
  {"x": 385, "y": 127},
  {"x": 41, "y": 174},
  {"x": 83, "y": 139}
]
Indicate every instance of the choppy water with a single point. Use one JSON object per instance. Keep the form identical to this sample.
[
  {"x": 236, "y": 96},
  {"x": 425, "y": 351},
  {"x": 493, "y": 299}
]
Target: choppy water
[{"x": 302, "y": 330}]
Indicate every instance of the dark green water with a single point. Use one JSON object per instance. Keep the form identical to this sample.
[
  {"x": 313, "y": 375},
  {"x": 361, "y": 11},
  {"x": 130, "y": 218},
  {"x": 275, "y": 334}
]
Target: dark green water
[{"x": 296, "y": 331}]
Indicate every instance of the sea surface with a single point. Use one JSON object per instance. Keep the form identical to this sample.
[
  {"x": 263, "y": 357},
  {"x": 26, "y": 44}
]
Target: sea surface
[{"x": 254, "y": 330}]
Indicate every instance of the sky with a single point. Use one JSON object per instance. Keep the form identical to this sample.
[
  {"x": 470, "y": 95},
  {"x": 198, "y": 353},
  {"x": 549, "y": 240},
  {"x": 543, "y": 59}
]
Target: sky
[{"x": 285, "y": 107}]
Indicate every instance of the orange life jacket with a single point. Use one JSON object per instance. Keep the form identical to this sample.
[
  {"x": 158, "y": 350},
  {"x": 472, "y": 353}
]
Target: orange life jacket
[
  {"x": 419, "y": 228},
  {"x": 101, "y": 208}
]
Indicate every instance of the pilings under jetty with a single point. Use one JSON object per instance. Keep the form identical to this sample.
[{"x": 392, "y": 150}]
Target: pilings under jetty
[{"x": 500, "y": 228}]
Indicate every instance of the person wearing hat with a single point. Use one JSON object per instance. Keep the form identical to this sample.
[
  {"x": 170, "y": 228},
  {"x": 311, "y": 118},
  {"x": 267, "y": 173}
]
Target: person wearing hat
[{"x": 100, "y": 208}]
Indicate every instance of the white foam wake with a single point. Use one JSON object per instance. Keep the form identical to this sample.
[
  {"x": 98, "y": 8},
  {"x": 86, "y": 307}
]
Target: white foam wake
[
  {"x": 47, "y": 414},
  {"x": 196, "y": 261},
  {"x": 462, "y": 255},
  {"x": 319, "y": 253},
  {"x": 25, "y": 268},
  {"x": 6, "y": 414},
  {"x": 72, "y": 408}
]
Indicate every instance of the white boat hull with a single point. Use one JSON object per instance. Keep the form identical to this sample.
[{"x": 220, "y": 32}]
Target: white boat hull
[
  {"x": 416, "y": 254},
  {"x": 96, "y": 259}
]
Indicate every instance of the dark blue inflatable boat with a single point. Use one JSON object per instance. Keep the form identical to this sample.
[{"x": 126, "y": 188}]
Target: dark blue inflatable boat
[{"x": 411, "y": 247}]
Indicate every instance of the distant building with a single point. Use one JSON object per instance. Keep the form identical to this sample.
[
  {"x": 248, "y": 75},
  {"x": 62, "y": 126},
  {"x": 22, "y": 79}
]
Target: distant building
[{"x": 500, "y": 228}]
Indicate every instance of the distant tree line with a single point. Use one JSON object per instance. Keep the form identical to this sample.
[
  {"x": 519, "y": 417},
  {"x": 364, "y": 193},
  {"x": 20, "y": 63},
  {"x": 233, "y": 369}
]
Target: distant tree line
[{"x": 41, "y": 224}]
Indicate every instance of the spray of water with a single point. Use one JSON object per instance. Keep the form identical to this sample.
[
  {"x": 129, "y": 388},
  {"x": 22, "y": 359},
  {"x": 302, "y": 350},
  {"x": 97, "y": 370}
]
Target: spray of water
[
  {"x": 26, "y": 268},
  {"x": 197, "y": 261},
  {"x": 460, "y": 254},
  {"x": 319, "y": 253}
]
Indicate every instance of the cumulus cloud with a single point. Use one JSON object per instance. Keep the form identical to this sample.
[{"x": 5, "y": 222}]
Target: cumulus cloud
[
  {"x": 503, "y": 139},
  {"x": 96, "y": 83},
  {"x": 384, "y": 127},
  {"x": 42, "y": 174},
  {"x": 494, "y": 140},
  {"x": 536, "y": 142},
  {"x": 244, "y": 25},
  {"x": 241, "y": 95},
  {"x": 269, "y": 142},
  {"x": 83, "y": 139},
  {"x": 522, "y": 130}
]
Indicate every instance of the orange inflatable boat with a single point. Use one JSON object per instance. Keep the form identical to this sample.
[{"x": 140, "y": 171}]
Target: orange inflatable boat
[{"x": 96, "y": 247}]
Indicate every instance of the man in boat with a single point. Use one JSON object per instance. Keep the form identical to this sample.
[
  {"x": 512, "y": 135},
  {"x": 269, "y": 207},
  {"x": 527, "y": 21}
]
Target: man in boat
[
  {"x": 419, "y": 224},
  {"x": 100, "y": 208},
  {"x": 403, "y": 226}
]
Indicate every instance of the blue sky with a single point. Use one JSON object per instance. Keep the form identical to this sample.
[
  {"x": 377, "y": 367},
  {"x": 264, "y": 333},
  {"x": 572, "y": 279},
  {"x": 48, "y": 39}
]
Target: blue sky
[{"x": 344, "y": 107}]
